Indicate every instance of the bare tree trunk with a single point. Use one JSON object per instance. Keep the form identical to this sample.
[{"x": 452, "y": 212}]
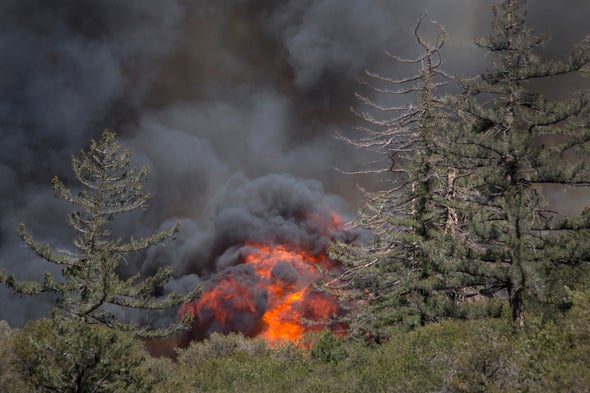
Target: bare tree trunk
[
  {"x": 516, "y": 305},
  {"x": 452, "y": 220}
]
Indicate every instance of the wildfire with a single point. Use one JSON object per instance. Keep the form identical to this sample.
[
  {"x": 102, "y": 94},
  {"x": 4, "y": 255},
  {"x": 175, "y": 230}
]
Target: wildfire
[{"x": 270, "y": 293}]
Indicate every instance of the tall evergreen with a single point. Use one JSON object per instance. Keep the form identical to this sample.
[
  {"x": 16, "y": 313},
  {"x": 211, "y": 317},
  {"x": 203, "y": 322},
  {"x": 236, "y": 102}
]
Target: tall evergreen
[
  {"x": 89, "y": 279},
  {"x": 464, "y": 216},
  {"x": 516, "y": 141},
  {"x": 395, "y": 275}
]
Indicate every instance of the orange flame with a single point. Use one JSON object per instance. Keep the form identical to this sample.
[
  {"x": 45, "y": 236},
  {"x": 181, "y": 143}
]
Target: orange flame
[{"x": 271, "y": 294}]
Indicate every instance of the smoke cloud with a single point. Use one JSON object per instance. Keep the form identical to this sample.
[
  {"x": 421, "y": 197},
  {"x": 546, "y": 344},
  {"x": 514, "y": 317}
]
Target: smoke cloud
[{"x": 233, "y": 104}]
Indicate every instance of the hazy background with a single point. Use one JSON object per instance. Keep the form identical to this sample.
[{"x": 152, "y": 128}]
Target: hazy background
[{"x": 219, "y": 98}]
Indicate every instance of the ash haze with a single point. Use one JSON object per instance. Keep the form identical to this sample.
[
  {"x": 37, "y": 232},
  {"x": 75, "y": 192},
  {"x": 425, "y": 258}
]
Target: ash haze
[{"x": 210, "y": 95}]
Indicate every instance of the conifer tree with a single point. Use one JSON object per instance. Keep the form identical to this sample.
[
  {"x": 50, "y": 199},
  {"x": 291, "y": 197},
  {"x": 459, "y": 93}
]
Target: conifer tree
[
  {"x": 515, "y": 142},
  {"x": 89, "y": 279},
  {"x": 396, "y": 275},
  {"x": 466, "y": 215}
]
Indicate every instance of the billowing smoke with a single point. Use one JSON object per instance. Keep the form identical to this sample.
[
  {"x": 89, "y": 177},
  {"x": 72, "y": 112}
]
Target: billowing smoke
[
  {"x": 268, "y": 236},
  {"x": 269, "y": 209},
  {"x": 214, "y": 97}
]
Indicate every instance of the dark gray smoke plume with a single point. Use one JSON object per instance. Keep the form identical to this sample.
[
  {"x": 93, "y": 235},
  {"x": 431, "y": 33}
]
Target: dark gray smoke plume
[
  {"x": 209, "y": 94},
  {"x": 272, "y": 210}
]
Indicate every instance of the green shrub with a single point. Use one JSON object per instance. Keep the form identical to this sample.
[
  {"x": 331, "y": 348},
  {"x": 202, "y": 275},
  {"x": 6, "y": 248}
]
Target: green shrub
[
  {"x": 219, "y": 345},
  {"x": 554, "y": 356},
  {"x": 486, "y": 355},
  {"x": 61, "y": 355},
  {"x": 11, "y": 378},
  {"x": 328, "y": 348}
]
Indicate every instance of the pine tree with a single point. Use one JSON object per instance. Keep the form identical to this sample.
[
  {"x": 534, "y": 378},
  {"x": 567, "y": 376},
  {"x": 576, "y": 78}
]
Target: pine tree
[
  {"x": 509, "y": 240},
  {"x": 466, "y": 214},
  {"x": 396, "y": 275},
  {"x": 89, "y": 279}
]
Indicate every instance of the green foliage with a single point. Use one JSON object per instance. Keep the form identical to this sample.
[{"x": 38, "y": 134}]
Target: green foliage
[
  {"x": 396, "y": 277},
  {"x": 11, "y": 378},
  {"x": 90, "y": 280},
  {"x": 328, "y": 348},
  {"x": 554, "y": 355},
  {"x": 485, "y": 355},
  {"x": 234, "y": 363},
  {"x": 219, "y": 345},
  {"x": 465, "y": 211},
  {"x": 510, "y": 239},
  {"x": 65, "y": 356}
]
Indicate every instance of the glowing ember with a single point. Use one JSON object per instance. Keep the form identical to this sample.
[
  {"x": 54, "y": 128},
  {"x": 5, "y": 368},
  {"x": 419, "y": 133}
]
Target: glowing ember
[{"x": 270, "y": 293}]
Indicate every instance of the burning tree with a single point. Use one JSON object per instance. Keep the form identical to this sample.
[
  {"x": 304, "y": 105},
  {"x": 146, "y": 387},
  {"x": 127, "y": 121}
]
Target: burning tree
[{"x": 90, "y": 280}]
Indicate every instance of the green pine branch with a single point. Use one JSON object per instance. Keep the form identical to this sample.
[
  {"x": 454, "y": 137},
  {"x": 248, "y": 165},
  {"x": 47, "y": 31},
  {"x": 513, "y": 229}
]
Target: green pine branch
[{"x": 89, "y": 279}]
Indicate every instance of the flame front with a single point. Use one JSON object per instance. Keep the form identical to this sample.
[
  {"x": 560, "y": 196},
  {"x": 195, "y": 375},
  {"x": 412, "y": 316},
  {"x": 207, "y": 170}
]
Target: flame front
[
  {"x": 270, "y": 294},
  {"x": 292, "y": 297}
]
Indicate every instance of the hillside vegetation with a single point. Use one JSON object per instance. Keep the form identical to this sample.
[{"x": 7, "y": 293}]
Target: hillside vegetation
[{"x": 472, "y": 282}]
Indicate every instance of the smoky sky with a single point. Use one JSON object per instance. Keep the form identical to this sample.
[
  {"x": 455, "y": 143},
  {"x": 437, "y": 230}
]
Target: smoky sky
[{"x": 216, "y": 97}]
